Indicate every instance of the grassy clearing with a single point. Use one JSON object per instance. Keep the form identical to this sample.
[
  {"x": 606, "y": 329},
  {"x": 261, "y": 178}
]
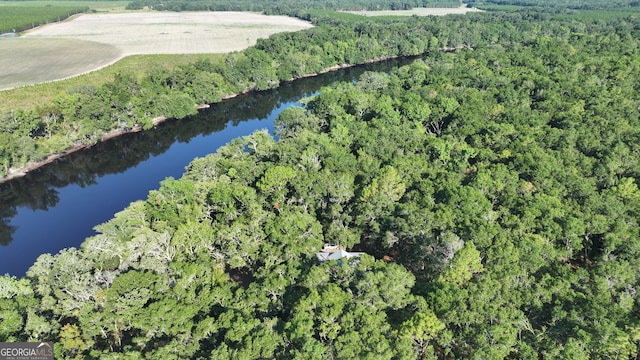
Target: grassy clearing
[
  {"x": 494, "y": 7},
  {"x": 336, "y": 14},
  {"x": 29, "y": 97}
]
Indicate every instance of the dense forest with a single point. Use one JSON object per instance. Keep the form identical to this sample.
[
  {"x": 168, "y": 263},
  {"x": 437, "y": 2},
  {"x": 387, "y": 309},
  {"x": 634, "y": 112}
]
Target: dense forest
[
  {"x": 493, "y": 190},
  {"x": 82, "y": 115}
]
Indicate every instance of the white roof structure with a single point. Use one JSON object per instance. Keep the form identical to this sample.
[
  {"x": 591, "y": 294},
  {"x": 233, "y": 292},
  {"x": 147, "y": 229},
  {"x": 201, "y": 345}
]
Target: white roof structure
[{"x": 335, "y": 252}]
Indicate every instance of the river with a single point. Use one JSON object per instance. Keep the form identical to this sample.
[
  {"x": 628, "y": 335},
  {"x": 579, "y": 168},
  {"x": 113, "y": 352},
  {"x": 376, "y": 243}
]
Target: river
[{"x": 58, "y": 205}]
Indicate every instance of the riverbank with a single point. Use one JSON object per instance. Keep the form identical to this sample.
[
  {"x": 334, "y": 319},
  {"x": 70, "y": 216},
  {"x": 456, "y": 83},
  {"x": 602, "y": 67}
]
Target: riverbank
[{"x": 15, "y": 173}]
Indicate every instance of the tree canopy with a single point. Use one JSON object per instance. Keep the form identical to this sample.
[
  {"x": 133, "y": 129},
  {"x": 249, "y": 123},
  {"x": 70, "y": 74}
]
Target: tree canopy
[{"x": 493, "y": 190}]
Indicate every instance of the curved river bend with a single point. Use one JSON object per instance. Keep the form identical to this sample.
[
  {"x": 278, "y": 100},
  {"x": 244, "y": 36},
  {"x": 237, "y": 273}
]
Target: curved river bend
[{"x": 57, "y": 206}]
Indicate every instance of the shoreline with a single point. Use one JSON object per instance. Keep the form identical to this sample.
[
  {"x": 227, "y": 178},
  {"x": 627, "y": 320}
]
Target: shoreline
[{"x": 16, "y": 173}]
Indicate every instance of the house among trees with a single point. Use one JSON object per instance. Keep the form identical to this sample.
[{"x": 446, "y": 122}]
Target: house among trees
[{"x": 335, "y": 252}]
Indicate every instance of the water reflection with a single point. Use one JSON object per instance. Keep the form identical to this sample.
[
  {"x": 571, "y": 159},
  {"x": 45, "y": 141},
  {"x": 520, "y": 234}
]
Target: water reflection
[{"x": 104, "y": 179}]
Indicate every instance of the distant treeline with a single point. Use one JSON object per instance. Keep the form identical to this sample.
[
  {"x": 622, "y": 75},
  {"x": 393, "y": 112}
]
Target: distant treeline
[
  {"x": 565, "y": 4},
  {"x": 286, "y": 7}
]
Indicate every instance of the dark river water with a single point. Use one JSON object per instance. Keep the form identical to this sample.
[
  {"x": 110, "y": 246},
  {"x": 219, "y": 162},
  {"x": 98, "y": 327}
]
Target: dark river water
[{"x": 57, "y": 206}]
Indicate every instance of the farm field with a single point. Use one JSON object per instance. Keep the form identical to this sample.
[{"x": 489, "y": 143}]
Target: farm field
[
  {"x": 18, "y": 16},
  {"x": 25, "y": 61},
  {"x": 416, "y": 11},
  {"x": 118, "y": 35},
  {"x": 98, "y": 5}
]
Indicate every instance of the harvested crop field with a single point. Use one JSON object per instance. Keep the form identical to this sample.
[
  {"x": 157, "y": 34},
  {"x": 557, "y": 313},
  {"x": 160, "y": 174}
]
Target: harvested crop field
[
  {"x": 26, "y": 61},
  {"x": 171, "y": 33},
  {"x": 118, "y": 35},
  {"x": 417, "y": 12}
]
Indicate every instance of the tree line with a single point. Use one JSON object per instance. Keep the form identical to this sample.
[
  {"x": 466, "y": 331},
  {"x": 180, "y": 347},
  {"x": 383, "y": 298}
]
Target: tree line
[
  {"x": 493, "y": 189},
  {"x": 272, "y": 7},
  {"x": 563, "y": 4}
]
